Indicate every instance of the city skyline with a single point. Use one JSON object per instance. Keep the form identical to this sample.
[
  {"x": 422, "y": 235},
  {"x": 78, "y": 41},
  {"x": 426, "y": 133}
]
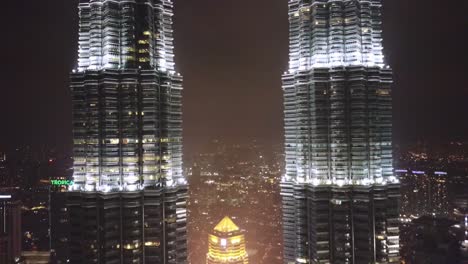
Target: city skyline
[
  {"x": 412, "y": 48},
  {"x": 224, "y": 180},
  {"x": 132, "y": 127}
]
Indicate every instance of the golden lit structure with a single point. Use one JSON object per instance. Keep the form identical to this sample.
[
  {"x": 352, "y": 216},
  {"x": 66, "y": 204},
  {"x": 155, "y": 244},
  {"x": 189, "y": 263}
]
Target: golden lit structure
[{"x": 227, "y": 244}]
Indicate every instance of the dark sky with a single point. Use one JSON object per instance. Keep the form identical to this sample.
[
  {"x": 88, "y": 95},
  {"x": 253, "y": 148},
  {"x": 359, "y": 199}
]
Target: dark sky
[{"x": 232, "y": 54}]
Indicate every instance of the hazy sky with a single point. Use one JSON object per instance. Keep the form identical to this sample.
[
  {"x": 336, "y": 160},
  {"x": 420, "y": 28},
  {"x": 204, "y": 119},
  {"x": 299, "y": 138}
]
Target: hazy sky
[{"x": 232, "y": 54}]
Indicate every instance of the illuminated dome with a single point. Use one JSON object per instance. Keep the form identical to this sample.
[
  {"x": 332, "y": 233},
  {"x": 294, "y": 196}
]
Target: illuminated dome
[
  {"x": 226, "y": 225},
  {"x": 227, "y": 244}
]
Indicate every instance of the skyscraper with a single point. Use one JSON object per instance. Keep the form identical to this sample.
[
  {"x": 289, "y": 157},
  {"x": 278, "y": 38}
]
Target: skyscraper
[
  {"x": 340, "y": 196},
  {"x": 128, "y": 200},
  {"x": 10, "y": 229},
  {"x": 226, "y": 245},
  {"x": 3, "y": 170}
]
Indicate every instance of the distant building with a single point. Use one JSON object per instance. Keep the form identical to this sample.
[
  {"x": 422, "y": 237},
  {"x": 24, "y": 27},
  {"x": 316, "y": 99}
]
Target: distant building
[
  {"x": 414, "y": 192},
  {"x": 4, "y": 256},
  {"x": 35, "y": 257},
  {"x": 423, "y": 193},
  {"x": 438, "y": 194},
  {"x": 10, "y": 229},
  {"x": 226, "y": 245},
  {"x": 59, "y": 224},
  {"x": 461, "y": 215},
  {"x": 3, "y": 170},
  {"x": 431, "y": 240},
  {"x": 24, "y": 168}
]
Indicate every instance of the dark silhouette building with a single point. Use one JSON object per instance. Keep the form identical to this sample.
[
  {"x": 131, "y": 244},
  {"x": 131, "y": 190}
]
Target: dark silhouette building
[
  {"x": 10, "y": 229},
  {"x": 431, "y": 240},
  {"x": 3, "y": 170}
]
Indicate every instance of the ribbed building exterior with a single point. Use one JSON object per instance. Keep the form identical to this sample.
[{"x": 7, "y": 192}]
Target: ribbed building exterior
[
  {"x": 128, "y": 201},
  {"x": 340, "y": 196}
]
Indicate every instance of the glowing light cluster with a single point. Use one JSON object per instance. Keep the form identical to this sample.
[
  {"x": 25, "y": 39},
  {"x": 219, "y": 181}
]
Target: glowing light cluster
[
  {"x": 127, "y": 107},
  {"x": 337, "y": 94},
  {"x": 338, "y": 136},
  {"x": 344, "y": 182},
  {"x": 335, "y": 33},
  {"x": 127, "y": 137},
  {"x": 108, "y": 35},
  {"x": 227, "y": 244}
]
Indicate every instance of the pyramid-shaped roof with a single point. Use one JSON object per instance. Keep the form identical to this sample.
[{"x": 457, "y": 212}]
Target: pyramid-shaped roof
[{"x": 226, "y": 226}]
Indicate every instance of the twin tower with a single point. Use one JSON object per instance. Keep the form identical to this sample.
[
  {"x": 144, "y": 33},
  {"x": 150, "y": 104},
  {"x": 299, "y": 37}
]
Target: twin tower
[{"x": 128, "y": 201}]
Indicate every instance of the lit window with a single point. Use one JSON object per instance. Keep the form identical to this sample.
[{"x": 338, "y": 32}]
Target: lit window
[
  {"x": 223, "y": 242},
  {"x": 214, "y": 239},
  {"x": 383, "y": 92},
  {"x": 152, "y": 243},
  {"x": 235, "y": 240}
]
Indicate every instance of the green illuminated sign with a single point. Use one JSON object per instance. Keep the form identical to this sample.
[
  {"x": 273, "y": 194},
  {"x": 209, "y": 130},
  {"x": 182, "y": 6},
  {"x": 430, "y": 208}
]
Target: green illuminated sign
[{"x": 61, "y": 182}]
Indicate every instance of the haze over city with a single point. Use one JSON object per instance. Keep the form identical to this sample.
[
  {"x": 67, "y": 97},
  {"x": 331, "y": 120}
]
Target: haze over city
[
  {"x": 232, "y": 55},
  {"x": 234, "y": 132}
]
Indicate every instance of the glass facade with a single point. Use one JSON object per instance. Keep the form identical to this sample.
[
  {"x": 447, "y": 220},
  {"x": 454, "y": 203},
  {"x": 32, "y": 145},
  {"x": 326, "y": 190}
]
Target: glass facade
[
  {"x": 340, "y": 196},
  {"x": 128, "y": 200}
]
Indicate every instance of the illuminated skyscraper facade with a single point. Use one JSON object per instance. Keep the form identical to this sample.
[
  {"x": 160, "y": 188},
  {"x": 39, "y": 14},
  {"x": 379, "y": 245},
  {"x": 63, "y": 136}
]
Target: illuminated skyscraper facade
[
  {"x": 340, "y": 196},
  {"x": 128, "y": 201},
  {"x": 226, "y": 245}
]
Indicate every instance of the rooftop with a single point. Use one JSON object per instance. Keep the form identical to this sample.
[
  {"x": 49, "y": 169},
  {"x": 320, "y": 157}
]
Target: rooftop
[{"x": 226, "y": 226}]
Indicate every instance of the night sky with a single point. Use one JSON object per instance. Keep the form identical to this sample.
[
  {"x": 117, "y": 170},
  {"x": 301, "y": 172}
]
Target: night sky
[{"x": 232, "y": 54}]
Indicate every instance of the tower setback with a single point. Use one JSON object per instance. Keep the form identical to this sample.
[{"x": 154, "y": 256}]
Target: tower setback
[
  {"x": 340, "y": 195},
  {"x": 128, "y": 200}
]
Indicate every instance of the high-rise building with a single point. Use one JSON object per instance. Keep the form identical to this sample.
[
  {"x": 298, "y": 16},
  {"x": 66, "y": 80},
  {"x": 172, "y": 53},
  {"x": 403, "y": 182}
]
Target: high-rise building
[
  {"x": 438, "y": 194},
  {"x": 340, "y": 196},
  {"x": 59, "y": 222},
  {"x": 128, "y": 200},
  {"x": 423, "y": 193},
  {"x": 415, "y": 186},
  {"x": 460, "y": 213},
  {"x": 35, "y": 257},
  {"x": 226, "y": 245},
  {"x": 10, "y": 229},
  {"x": 431, "y": 240},
  {"x": 3, "y": 170}
]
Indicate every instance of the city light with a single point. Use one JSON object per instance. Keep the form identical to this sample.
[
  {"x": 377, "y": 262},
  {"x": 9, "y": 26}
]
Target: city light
[
  {"x": 61, "y": 182},
  {"x": 227, "y": 244},
  {"x": 327, "y": 155}
]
